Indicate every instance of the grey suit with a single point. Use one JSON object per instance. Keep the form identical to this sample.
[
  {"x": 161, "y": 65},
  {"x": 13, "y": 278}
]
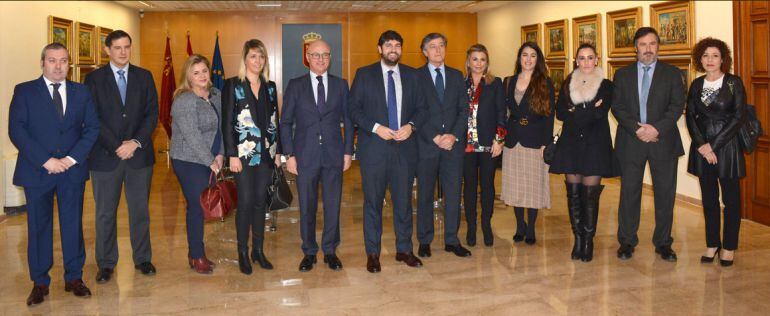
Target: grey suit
[
  {"x": 191, "y": 140},
  {"x": 665, "y": 105}
]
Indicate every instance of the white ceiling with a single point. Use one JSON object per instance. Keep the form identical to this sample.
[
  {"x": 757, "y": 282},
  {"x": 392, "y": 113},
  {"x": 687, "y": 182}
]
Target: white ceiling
[{"x": 327, "y": 6}]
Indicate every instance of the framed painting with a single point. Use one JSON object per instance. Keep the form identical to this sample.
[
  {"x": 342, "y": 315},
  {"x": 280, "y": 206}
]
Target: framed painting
[
  {"x": 588, "y": 29},
  {"x": 674, "y": 21},
  {"x": 60, "y": 31},
  {"x": 621, "y": 26},
  {"x": 86, "y": 40},
  {"x": 557, "y": 70},
  {"x": 684, "y": 64},
  {"x": 83, "y": 71},
  {"x": 103, "y": 58},
  {"x": 531, "y": 33},
  {"x": 615, "y": 64},
  {"x": 556, "y": 41}
]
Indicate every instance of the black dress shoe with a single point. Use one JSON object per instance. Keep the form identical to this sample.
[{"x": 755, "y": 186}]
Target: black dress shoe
[
  {"x": 625, "y": 252},
  {"x": 243, "y": 262},
  {"x": 146, "y": 267},
  {"x": 78, "y": 288},
  {"x": 37, "y": 295},
  {"x": 104, "y": 275},
  {"x": 409, "y": 258},
  {"x": 666, "y": 253},
  {"x": 373, "y": 263},
  {"x": 333, "y": 262},
  {"x": 307, "y": 263},
  {"x": 458, "y": 250},
  {"x": 424, "y": 251}
]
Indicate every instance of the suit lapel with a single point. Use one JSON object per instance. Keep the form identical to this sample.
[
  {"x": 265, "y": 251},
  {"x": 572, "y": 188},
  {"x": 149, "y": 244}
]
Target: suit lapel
[
  {"x": 635, "y": 85},
  {"x": 43, "y": 89},
  {"x": 380, "y": 89},
  {"x": 654, "y": 85},
  {"x": 71, "y": 104},
  {"x": 426, "y": 72},
  {"x": 308, "y": 84},
  {"x": 112, "y": 85},
  {"x": 132, "y": 88},
  {"x": 330, "y": 95}
]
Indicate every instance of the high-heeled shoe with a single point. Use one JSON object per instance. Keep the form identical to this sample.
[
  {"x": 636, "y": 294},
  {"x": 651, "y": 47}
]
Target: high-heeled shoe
[
  {"x": 705, "y": 259},
  {"x": 726, "y": 263},
  {"x": 243, "y": 262},
  {"x": 258, "y": 256}
]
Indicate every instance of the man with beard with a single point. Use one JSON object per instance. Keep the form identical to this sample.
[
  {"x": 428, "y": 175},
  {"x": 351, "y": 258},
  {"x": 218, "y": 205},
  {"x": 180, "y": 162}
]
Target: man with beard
[
  {"x": 387, "y": 107},
  {"x": 648, "y": 99}
]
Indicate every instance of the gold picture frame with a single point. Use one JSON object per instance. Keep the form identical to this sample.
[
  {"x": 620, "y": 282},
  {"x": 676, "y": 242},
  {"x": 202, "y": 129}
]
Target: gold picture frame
[
  {"x": 60, "y": 31},
  {"x": 588, "y": 29},
  {"x": 675, "y": 23},
  {"x": 86, "y": 43},
  {"x": 531, "y": 33},
  {"x": 621, "y": 26},
  {"x": 83, "y": 71},
  {"x": 615, "y": 64},
  {"x": 684, "y": 64},
  {"x": 102, "y": 32},
  {"x": 557, "y": 71},
  {"x": 556, "y": 41}
]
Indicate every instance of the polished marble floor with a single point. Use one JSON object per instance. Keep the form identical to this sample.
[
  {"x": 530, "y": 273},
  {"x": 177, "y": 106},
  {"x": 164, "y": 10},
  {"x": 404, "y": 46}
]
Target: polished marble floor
[{"x": 506, "y": 279}]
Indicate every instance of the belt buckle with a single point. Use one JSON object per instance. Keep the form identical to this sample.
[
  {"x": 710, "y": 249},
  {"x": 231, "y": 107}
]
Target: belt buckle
[{"x": 523, "y": 121}]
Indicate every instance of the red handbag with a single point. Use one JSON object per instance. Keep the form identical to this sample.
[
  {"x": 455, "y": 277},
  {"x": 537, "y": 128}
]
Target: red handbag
[{"x": 220, "y": 198}]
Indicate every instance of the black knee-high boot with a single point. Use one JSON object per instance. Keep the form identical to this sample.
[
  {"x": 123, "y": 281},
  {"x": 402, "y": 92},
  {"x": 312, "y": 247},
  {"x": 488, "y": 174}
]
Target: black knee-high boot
[
  {"x": 521, "y": 226},
  {"x": 590, "y": 195},
  {"x": 531, "y": 218},
  {"x": 575, "y": 213}
]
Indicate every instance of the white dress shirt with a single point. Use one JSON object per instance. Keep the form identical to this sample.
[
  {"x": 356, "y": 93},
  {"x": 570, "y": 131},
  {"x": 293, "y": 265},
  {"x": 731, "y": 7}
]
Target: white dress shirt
[
  {"x": 397, "y": 81},
  {"x": 314, "y": 83}
]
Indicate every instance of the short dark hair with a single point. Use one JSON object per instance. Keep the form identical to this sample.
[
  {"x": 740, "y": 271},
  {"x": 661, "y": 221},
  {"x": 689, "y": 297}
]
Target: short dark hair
[
  {"x": 643, "y": 31},
  {"x": 116, "y": 34},
  {"x": 700, "y": 49},
  {"x": 52, "y": 46},
  {"x": 430, "y": 37},
  {"x": 390, "y": 35}
]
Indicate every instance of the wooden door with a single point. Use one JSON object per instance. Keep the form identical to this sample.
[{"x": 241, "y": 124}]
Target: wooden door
[{"x": 751, "y": 23}]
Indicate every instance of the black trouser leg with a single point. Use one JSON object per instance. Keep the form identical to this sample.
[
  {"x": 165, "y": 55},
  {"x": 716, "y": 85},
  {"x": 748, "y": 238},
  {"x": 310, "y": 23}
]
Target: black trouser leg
[
  {"x": 731, "y": 195},
  {"x": 709, "y": 188},
  {"x": 531, "y": 218},
  {"x": 487, "y": 181},
  {"x": 521, "y": 225},
  {"x": 470, "y": 187}
]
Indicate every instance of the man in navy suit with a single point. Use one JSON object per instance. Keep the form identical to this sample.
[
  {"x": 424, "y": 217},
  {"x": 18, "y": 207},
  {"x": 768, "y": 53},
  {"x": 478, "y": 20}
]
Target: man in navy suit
[
  {"x": 386, "y": 104},
  {"x": 441, "y": 142},
  {"x": 53, "y": 124},
  {"x": 313, "y": 107}
]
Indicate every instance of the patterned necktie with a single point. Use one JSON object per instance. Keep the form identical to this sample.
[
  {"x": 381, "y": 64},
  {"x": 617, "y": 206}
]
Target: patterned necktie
[
  {"x": 321, "y": 102},
  {"x": 122, "y": 85},
  {"x": 644, "y": 95},
  {"x": 392, "y": 104},
  {"x": 439, "y": 85},
  {"x": 57, "y": 100}
]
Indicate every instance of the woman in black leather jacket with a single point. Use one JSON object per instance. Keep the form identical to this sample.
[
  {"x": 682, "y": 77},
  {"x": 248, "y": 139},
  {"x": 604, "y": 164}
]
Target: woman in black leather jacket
[{"x": 716, "y": 107}]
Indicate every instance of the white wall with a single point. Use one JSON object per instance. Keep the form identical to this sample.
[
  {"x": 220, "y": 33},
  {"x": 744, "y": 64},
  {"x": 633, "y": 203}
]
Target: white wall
[
  {"x": 24, "y": 26},
  {"x": 500, "y": 31}
]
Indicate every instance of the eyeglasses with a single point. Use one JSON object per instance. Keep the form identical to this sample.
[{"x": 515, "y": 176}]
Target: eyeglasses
[{"x": 318, "y": 56}]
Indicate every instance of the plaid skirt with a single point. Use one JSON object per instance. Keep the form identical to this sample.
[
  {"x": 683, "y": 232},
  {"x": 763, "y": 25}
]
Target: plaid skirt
[{"x": 525, "y": 178}]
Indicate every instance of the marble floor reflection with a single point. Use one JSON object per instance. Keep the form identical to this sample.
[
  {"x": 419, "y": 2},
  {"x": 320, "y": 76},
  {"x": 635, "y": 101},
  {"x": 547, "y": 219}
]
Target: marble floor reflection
[{"x": 506, "y": 279}]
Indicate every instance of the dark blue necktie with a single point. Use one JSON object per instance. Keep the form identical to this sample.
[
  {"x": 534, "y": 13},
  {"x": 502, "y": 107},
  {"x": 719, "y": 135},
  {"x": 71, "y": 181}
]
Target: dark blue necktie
[
  {"x": 321, "y": 102},
  {"x": 439, "y": 85},
  {"x": 392, "y": 105}
]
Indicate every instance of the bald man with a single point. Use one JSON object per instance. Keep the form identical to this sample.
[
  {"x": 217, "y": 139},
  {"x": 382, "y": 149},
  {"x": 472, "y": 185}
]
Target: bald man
[{"x": 313, "y": 107}]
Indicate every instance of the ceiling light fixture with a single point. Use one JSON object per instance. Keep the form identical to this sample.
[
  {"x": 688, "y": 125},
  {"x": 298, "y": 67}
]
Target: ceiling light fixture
[
  {"x": 145, "y": 3},
  {"x": 269, "y": 5}
]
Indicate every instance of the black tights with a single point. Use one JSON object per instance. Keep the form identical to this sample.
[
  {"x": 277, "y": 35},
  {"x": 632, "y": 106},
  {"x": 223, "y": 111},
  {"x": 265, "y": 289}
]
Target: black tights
[
  {"x": 529, "y": 226},
  {"x": 585, "y": 180}
]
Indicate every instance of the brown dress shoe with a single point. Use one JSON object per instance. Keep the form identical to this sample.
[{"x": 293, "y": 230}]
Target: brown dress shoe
[
  {"x": 211, "y": 263},
  {"x": 409, "y": 258},
  {"x": 201, "y": 266},
  {"x": 78, "y": 288},
  {"x": 38, "y": 294},
  {"x": 373, "y": 263}
]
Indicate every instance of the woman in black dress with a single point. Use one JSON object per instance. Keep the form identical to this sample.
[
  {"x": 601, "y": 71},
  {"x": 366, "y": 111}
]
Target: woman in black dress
[{"x": 584, "y": 151}]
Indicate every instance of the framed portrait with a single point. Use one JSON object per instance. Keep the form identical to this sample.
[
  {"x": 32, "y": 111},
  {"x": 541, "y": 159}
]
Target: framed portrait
[
  {"x": 621, "y": 26},
  {"x": 684, "y": 64},
  {"x": 557, "y": 70},
  {"x": 674, "y": 21},
  {"x": 103, "y": 58},
  {"x": 83, "y": 71},
  {"x": 531, "y": 33},
  {"x": 556, "y": 41},
  {"x": 588, "y": 29},
  {"x": 60, "y": 31},
  {"x": 86, "y": 40},
  {"x": 615, "y": 64}
]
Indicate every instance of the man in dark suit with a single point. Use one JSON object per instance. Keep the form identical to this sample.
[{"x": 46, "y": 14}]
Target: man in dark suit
[
  {"x": 313, "y": 107},
  {"x": 387, "y": 107},
  {"x": 648, "y": 99},
  {"x": 439, "y": 146},
  {"x": 127, "y": 104},
  {"x": 53, "y": 124}
]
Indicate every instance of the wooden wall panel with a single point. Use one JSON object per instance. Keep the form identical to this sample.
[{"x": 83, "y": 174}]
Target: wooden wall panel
[{"x": 759, "y": 47}]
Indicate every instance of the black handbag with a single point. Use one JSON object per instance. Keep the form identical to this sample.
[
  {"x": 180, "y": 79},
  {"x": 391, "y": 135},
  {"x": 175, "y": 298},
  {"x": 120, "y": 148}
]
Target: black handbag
[
  {"x": 550, "y": 150},
  {"x": 279, "y": 193},
  {"x": 751, "y": 130}
]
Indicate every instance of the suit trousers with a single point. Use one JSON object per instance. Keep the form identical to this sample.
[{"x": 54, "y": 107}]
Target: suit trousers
[
  {"x": 478, "y": 169},
  {"x": 396, "y": 173},
  {"x": 330, "y": 179},
  {"x": 252, "y": 184},
  {"x": 448, "y": 167},
  {"x": 731, "y": 196},
  {"x": 107, "y": 186},
  {"x": 194, "y": 179},
  {"x": 663, "y": 173},
  {"x": 69, "y": 197}
]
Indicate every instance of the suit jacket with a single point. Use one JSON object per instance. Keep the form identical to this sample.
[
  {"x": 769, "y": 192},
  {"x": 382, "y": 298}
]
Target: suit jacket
[
  {"x": 448, "y": 117},
  {"x": 136, "y": 119},
  {"x": 665, "y": 104},
  {"x": 39, "y": 134},
  {"x": 237, "y": 97},
  {"x": 367, "y": 105},
  {"x": 491, "y": 113},
  {"x": 539, "y": 128},
  {"x": 304, "y": 128}
]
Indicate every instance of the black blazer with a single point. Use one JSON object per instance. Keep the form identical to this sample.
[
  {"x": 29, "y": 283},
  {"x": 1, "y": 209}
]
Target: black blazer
[
  {"x": 539, "y": 129},
  {"x": 717, "y": 124},
  {"x": 665, "y": 105},
  {"x": 136, "y": 120},
  {"x": 367, "y": 106},
  {"x": 451, "y": 116},
  {"x": 584, "y": 122},
  {"x": 304, "y": 128},
  {"x": 231, "y": 107},
  {"x": 491, "y": 113}
]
